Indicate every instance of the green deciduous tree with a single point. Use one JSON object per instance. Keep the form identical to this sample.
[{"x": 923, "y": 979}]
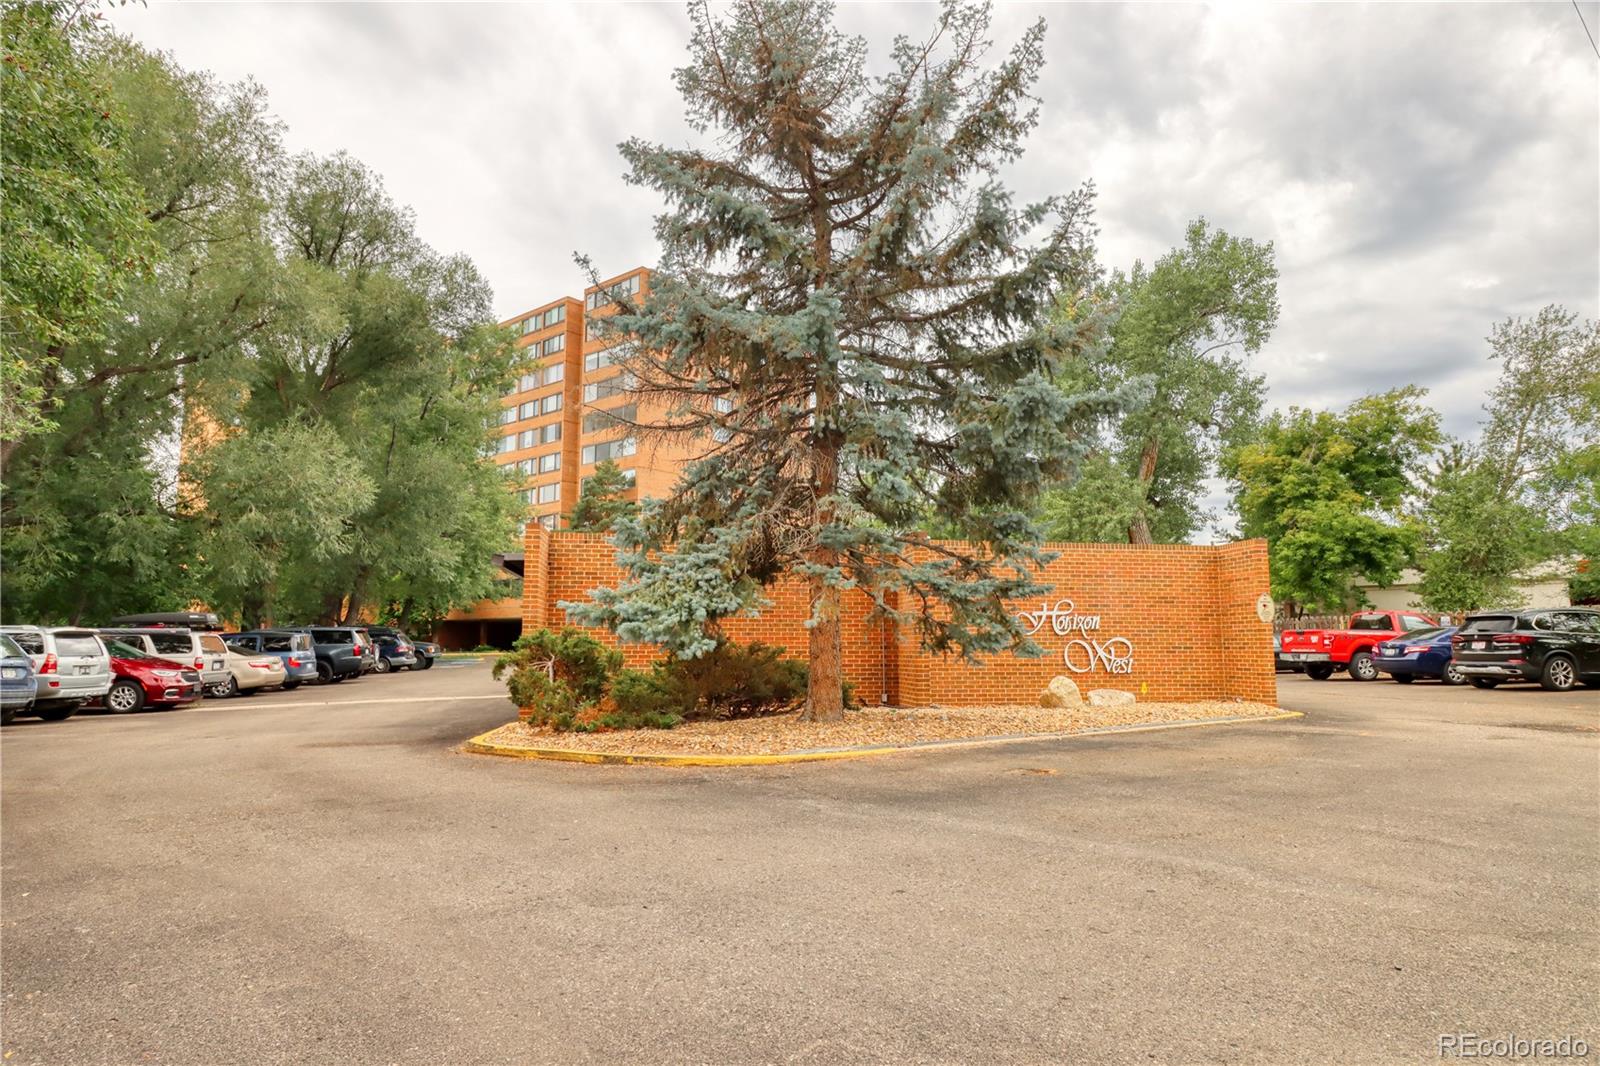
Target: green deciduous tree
[
  {"x": 1185, "y": 326},
  {"x": 73, "y": 229},
  {"x": 853, "y": 321},
  {"x": 1525, "y": 491},
  {"x": 1329, "y": 491},
  {"x": 603, "y": 500}
]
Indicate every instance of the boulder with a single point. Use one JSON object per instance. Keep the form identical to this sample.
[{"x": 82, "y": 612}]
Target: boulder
[
  {"x": 1062, "y": 691},
  {"x": 1110, "y": 697}
]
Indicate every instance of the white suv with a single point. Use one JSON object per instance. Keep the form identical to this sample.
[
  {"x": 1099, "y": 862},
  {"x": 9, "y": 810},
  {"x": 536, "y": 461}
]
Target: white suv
[{"x": 72, "y": 665}]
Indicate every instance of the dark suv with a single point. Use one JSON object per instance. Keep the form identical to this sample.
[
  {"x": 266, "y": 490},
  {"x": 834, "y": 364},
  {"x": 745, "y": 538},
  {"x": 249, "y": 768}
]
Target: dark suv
[
  {"x": 389, "y": 638},
  {"x": 1557, "y": 647},
  {"x": 338, "y": 650}
]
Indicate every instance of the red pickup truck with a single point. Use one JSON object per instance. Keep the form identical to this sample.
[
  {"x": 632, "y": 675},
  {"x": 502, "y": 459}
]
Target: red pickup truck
[{"x": 1322, "y": 651}]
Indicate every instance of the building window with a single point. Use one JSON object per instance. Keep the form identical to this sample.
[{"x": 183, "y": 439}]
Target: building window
[
  {"x": 525, "y": 466},
  {"x": 529, "y": 380},
  {"x": 556, "y": 314},
  {"x": 549, "y": 462},
  {"x": 549, "y": 493},
  {"x": 627, "y": 475},
  {"x": 550, "y": 403},
  {"x": 722, "y": 434},
  {"x": 554, "y": 373},
  {"x": 608, "y": 295},
  {"x": 596, "y": 421},
  {"x": 550, "y": 434},
  {"x": 525, "y": 439},
  {"x": 598, "y": 360},
  {"x": 508, "y": 415},
  {"x": 549, "y": 521},
  {"x": 555, "y": 344},
  {"x": 600, "y": 390},
  {"x": 530, "y": 323},
  {"x": 508, "y": 442},
  {"x": 528, "y": 410},
  {"x": 614, "y": 449}
]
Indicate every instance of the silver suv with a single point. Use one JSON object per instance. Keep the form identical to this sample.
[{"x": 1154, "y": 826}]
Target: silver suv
[
  {"x": 204, "y": 652},
  {"x": 72, "y": 665}
]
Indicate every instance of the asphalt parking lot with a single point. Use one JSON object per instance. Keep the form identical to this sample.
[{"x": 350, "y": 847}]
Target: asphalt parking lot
[{"x": 320, "y": 877}]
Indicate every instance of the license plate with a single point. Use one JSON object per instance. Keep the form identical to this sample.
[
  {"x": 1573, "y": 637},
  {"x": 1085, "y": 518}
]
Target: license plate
[
  {"x": 216, "y": 664},
  {"x": 1478, "y": 645},
  {"x": 84, "y": 669},
  {"x": 10, "y": 671}
]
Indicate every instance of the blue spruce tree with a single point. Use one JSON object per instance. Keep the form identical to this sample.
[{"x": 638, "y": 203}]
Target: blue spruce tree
[{"x": 852, "y": 320}]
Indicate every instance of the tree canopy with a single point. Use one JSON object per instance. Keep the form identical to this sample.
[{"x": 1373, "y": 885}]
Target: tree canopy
[
  {"x": 853, "y": 319},
  {"x": 1330, "y": 493}
]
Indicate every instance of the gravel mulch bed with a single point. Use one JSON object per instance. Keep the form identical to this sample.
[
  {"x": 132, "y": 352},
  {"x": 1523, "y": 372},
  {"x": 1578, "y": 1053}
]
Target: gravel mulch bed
[{"x": 870, "y": 727}]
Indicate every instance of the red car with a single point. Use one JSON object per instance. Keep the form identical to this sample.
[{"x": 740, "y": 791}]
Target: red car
[
  {"x": 1322, "y": 651},
  {"x": 143, "y": 680}
]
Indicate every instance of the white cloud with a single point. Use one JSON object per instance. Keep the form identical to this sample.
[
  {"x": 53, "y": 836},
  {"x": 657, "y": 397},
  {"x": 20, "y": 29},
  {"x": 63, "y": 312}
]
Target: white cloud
[{"x": 1424, "y": 171}]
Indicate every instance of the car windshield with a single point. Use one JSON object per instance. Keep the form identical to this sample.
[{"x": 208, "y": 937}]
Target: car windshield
[
  {"x": 1498, "y": 623},
  {"x": 1370, "y": 621},
  {"x": 32, "y": 643},
  {"x": 9, "y": 647},
  {"x": 126, "y": 651}
]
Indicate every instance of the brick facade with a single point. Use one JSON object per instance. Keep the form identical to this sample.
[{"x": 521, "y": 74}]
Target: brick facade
[{"x": 1188, "y": 611}]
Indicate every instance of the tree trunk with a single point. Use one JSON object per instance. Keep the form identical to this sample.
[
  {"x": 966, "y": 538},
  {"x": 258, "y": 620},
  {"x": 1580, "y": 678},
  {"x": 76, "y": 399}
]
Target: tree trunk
[
  {"x": 1139, "y": 529},
  {"x": 825, "y": 691}
]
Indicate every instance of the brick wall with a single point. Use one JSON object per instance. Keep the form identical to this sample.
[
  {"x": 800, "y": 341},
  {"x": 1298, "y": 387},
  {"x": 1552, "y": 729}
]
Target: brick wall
[{"x": 1188, "y": 612}]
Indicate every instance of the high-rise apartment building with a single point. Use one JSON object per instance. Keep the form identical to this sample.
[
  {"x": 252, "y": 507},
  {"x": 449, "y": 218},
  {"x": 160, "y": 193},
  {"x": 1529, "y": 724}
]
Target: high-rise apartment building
[{"x": 569, "y": 409}]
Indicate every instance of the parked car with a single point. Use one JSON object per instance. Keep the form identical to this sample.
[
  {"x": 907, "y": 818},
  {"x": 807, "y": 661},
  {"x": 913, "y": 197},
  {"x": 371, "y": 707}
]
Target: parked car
[
  {"x": 17, "y": 681},
  {"x": 369, "y": 650},
  {"x": 422, "y": 651},
  {"x": 70, "y": 666},
  {"x": 1558, "y": 647},
  {"x": 394, "y": 652},
  {"x": 294, "y": 649},
  {"x": 1323, "y": 651},
  {"x": 1424, "y": 653},
  {"x": 145, "y": 681},
  {"x": 201, "y": 651},
  {"x": 338, "y": 651},
  {"x": 248, "y": 672}
]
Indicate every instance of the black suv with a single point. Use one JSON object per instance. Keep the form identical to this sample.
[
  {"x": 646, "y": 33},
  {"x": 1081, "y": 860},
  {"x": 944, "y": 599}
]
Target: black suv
[
  {"x": 425, "y": 651},
  {"x": 338, "y": 650},
  {"x": 1556, "y": 646}
]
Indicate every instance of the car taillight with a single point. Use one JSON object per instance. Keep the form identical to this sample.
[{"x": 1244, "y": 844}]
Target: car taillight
[
  {"x": 262, "y": 664},
  {"x": 199, "y": 662},
  {"x": 49, "y": 664},
  {"x": 1514, "y": 638}
]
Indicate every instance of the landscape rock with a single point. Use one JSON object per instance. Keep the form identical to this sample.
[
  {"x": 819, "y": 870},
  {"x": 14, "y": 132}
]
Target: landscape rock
[
  {"x": 1110, "y": 697},
  {"x": 1062, "y": 691}
]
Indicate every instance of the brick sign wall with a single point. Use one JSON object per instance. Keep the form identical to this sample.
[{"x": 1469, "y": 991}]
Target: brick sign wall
[{"x": 1165, "y": 622}]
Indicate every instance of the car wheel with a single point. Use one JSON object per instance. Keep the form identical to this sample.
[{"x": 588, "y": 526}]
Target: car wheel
[
  {"x": 1452, "y": 675},
  {"x": 383, "y": 666},
  {"x": 228, "y": 688},
  {"x": 427, "y": 664},
  {"x": 1404, "y": 679},
  {"x": 7, "y": 715},
  {"x": 290, "y": 686},
  {"x": 1485, "y": 682},
  {"x": 1362, "y": 668},
  {"x": 324, "y": 672},
  {"x": 1319, "y": 671},
  {"x": 124, "y": 698},
  {"x": 1560, "y": 674}
]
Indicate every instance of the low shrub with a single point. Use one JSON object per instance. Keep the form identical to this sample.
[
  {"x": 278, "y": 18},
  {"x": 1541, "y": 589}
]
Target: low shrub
[
  {"x": 556, "y": 677},
  {"x": 731, "y": 681}
]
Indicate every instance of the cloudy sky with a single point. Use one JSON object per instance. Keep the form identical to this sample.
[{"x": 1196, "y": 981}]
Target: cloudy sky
[{"x": 1423, "y": 170}]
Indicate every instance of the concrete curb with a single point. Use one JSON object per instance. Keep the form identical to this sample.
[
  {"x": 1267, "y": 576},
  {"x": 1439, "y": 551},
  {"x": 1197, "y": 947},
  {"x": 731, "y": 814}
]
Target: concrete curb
[{"x": 478, "y": 746}]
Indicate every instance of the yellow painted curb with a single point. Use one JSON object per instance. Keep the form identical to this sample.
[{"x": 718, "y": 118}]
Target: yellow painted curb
[{"x": 478, "y": 746}]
